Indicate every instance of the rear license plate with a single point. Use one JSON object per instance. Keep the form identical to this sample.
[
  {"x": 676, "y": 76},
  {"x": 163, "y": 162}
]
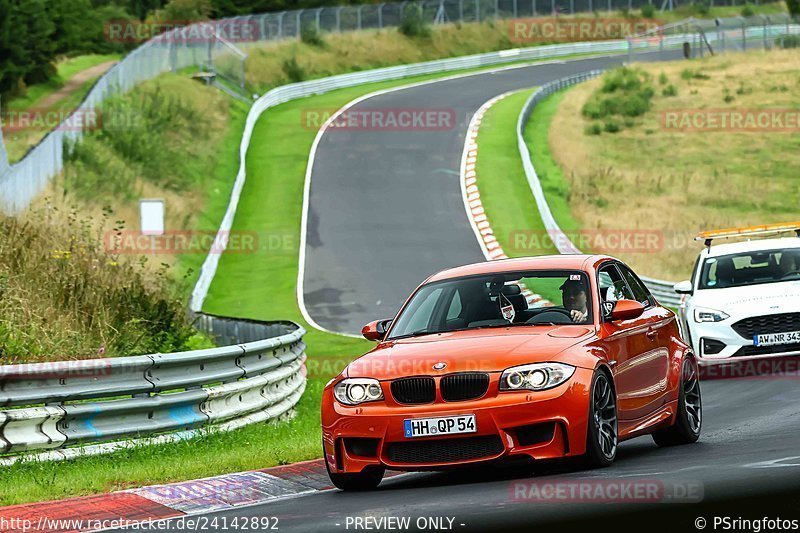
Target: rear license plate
[
  {"x": 446, "y": 425},
  {"x": 772, "y": 339}
]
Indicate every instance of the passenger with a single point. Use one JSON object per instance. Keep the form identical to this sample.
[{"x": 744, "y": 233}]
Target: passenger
[{"x": 573, "y": 296}]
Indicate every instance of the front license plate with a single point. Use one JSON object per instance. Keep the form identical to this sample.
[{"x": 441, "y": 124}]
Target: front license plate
[
  {"x": 446, "y": 425},
  {"x": 771, "y": 339}
]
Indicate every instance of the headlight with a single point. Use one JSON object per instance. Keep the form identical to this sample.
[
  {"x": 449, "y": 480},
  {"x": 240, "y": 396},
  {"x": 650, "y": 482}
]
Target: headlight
[
  {"x": 358, "y": 390},
  {"x": 709, "y": 315},
  {"x": 536, "y": 376}
]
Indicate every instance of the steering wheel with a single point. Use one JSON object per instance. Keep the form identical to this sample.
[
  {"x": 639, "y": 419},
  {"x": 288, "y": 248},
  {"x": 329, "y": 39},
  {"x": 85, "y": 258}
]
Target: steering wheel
[{"x": 538, "y": 317}]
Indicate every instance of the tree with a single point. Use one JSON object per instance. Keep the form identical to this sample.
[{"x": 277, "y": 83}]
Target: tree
[
  {"x": 794, "y": 7},
  {"x": 14, "y": 57},
  {"x": 41, "y": 48}
]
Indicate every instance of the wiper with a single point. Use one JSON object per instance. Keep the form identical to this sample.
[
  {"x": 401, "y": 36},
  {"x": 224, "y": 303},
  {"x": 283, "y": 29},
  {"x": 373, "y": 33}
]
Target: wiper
[{"x": 418, "y": 333}]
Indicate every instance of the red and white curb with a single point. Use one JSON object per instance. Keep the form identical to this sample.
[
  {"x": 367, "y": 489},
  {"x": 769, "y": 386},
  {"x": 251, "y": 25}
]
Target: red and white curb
[
  {"x": 492, "y": 249},
  {"x": 159, "y": 502}
]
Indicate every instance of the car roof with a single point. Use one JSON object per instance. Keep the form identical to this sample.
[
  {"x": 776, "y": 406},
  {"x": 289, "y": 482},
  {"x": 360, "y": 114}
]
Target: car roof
[
  {"x": 541, "y": 262},
  {"x": 717, "y": 250}
]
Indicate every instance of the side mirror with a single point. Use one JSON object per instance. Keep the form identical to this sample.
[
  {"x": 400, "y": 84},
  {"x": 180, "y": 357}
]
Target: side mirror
[
  {"x": 684, "y": 287},
  {"x": 626, "y": 310},
  {"x": 376, "y": 330}
]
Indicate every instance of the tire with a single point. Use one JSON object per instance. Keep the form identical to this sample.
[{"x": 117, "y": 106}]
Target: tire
[
  {"x": 368, "y": 479},
  {"x": 689, "y": 418},
  {"x": 601, "y": 446}
]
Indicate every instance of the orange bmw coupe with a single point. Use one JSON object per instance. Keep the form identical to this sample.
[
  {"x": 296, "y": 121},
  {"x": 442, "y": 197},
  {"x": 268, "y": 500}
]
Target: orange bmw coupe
[{"x": 541, "y": 358}]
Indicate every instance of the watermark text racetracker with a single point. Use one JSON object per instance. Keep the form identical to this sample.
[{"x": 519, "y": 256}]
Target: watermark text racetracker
[
  {"x": 381, "y": 119},
  {"x": 621, "y": 490},
  {"x": 199, "y": 241},
  {"x": 731, "y": 120},
  {"x": 563, "y": 30}
]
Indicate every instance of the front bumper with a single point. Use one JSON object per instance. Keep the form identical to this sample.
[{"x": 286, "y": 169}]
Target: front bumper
[
  {"x": 539, "y": 425},
  {"x": 736, "y": 347}
]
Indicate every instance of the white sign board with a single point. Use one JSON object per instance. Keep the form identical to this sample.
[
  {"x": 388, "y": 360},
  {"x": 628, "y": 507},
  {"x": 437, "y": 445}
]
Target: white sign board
[{"x": 151, "y": 213}]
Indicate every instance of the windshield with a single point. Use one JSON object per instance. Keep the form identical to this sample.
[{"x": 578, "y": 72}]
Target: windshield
[
  {"x": 750, "y": 268},
  {"x": 496, "y": 300}
]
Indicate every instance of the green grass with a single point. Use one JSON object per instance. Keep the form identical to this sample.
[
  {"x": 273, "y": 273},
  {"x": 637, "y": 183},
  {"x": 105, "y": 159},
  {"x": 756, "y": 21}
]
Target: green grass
[{"x": 555, "y": 186}]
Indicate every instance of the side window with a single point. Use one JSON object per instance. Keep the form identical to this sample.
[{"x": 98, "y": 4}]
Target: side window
[
  {"x": 612, "y": 285},
  {"x": 454, "y": 311},
  {"x": 640, "y": 292}
]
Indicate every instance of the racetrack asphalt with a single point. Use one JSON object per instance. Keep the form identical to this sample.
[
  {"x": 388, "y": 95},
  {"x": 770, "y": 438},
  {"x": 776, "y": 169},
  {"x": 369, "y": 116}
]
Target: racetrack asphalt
[
  {"x": 385, "y": 207},
  {"x": 748, "y": 450}
]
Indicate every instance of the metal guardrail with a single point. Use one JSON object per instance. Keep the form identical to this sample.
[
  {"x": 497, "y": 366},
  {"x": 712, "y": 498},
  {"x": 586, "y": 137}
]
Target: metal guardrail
[
  {"x": 56, "y": 405},
  {"x": 661, "y": 289}
]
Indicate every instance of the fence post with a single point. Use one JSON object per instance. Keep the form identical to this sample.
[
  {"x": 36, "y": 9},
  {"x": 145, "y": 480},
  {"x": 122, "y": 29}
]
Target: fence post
[
  {"x": 461, "y": 10},
  {"x": 358, "y": 12},
  {"x": 380, "y": 16},
  {"x": 477, "y": 11},
  {"x": 339, "y": 19},
  {"x": 496, "y": 8},
  {"x": 280, "y": 23},
  {"x": 298, "y": 22},
  {"x": 319, "y": 12}
]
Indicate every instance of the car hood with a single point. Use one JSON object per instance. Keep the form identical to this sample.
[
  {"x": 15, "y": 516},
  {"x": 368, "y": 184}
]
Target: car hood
[
  {"x": 753, "y": 300},
  {"x": 489, "y": 350}
]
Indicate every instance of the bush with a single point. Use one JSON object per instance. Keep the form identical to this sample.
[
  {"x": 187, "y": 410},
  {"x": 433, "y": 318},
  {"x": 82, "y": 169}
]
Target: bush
[
  {"x": 700, "y": 7},
  {"x": 669, "y": 90},
  {"x": 689, "y": 74},
  {"x": 611, "y": 126},
  {"x": 311, "y": 35},
  {"x": 63, "y": 294},
  {"x": 648, "y": 11},
  {"x": 293, "y": 70},
  {"x": 414, "y": 23},
  {"x": 663, "y": 79},
  {"x": 747, "y": 11},
  {"x": 593, "y": 129},
  {"x": 625, "y": 91},
  {"x": 788, "y": 41}
]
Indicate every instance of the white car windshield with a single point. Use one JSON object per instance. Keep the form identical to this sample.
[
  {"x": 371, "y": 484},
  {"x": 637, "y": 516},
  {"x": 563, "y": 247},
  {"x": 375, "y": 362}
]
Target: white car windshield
[
  {"x": 750, "y": 268},
  {"x": 496, "y": 300}
]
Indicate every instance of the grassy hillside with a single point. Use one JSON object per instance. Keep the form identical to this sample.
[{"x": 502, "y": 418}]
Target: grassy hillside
[
  {"x": 277, "y": 63},
  {"x": 651, "y": 175}
]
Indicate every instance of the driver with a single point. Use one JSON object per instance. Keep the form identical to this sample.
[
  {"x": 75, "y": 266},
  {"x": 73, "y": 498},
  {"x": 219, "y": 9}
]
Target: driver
[
  {"x": 789, "y": 263},
  {"x": 573, "y": 295}
]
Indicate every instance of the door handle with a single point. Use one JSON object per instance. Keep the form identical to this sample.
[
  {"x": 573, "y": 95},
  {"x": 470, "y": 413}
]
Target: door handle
[{"x": 651, "y": 334}]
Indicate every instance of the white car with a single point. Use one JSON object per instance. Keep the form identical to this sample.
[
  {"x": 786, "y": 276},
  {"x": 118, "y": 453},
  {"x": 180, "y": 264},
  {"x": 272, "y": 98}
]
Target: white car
[{"x": 743, "y": 300}]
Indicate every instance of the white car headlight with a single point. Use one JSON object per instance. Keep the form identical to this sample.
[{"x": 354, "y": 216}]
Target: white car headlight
[
  {"x": 353, "y": 391},
  {"x": 536, "y": 376},
  {"x": 709, "y": 315}
]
